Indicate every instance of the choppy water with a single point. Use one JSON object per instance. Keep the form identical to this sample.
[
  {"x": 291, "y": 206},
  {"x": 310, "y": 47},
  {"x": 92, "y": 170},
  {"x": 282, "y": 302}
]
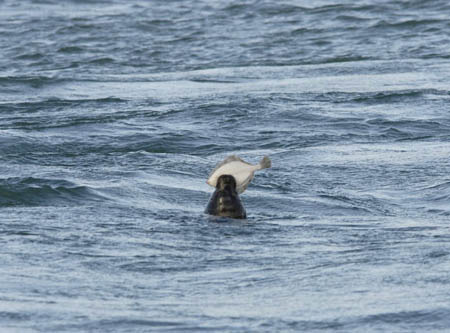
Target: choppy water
[{"x": 112, "y": 114}]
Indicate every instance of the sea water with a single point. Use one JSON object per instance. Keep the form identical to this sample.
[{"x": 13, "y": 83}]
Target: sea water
[{"x": 113, "y": 113}]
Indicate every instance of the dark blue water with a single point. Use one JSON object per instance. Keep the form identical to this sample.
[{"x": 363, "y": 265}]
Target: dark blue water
[{"x": 113, "y": 113}]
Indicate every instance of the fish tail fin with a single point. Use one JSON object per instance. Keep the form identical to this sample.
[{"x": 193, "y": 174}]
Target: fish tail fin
[{"x": 265, "y": 162}]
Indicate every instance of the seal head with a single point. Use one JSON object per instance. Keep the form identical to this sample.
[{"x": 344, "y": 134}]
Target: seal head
[{"x": 225, "y": 200}]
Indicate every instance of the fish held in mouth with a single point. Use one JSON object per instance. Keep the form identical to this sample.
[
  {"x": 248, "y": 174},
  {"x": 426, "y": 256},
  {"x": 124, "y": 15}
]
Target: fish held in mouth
[{"x": 242, "y": 171}]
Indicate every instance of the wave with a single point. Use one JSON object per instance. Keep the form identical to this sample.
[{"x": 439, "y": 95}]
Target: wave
[
  {"x": 55, "y": 112},
  {"x": 377, "y": 97},
  {"x": 45, "y": 192},
  {"x": 343, "y": 202},
  {"x": 126, "y": 324},
  {"x": 428, "y": 318},
  {"x": 50, "y": 102},
  {"x": 37, "y": 81},
  {"x": 408, "y": 24},
  {"x": 438, "y": 193},
  {"x": 70, "y": 49}
]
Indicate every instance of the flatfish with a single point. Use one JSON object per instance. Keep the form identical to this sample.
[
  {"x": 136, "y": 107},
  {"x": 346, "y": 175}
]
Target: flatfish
[{"x": 242, "y": 171}]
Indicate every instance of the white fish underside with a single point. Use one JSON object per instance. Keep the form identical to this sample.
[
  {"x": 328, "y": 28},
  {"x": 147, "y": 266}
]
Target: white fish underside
[{"x": 242, "y": 171}]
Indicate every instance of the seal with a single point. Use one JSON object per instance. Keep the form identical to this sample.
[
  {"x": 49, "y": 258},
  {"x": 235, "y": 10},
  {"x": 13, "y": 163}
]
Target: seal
[{"x": 225, "y": 200}]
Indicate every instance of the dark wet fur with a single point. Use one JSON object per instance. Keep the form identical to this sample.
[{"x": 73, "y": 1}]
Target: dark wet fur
[{"x": 225, "y": 200}]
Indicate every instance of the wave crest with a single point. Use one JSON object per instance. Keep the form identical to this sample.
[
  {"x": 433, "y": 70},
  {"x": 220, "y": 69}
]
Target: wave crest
[{"x": 31, "y": 191}]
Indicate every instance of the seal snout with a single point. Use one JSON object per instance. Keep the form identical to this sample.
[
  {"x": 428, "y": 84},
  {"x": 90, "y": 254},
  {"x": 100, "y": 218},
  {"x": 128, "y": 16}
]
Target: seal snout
[{"x": 226, "y": 182}]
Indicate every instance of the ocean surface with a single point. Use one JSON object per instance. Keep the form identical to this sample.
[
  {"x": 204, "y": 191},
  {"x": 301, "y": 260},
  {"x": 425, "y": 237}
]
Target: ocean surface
[{"x": 113, "y": 113}]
